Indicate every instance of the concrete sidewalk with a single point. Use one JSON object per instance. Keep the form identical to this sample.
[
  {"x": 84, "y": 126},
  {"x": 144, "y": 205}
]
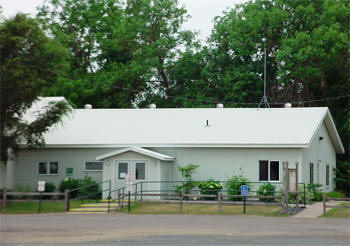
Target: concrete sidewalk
[{"x": 314, "y": 210}]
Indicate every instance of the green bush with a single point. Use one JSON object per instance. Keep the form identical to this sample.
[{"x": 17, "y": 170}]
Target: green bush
[
  {"x": 234, "y": 184},
  {"x": 267, "y": 189},
  {"x": 91, "y": 192},
  {"x": 210, "y": 187},
  {"x": 49, "y": 187},
  {"x": 316, "y": 192},
  {"x": 70, "y": 184},
  {"x": 335, "y": 194}
]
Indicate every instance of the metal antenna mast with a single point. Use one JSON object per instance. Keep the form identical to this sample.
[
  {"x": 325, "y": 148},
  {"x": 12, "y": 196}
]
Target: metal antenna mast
[{"x": 264, "y": 98}]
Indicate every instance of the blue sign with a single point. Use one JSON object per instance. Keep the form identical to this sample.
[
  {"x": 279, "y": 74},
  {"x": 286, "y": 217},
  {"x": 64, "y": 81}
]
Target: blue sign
[{"x": 244, "y": 190}]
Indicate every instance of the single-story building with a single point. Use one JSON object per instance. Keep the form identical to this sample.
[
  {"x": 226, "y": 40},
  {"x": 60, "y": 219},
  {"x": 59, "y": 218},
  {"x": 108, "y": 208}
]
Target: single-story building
[{"x": 151, "y": 143}]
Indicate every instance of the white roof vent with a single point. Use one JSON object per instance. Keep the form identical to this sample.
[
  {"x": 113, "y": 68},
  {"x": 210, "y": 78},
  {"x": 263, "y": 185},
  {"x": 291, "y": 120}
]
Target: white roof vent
[
  {"x": 219, "y": 105},
  {"x": 88, "y": 106},
  {"x": 152, "y": 106},
  {"x": 287, "y": 105}
]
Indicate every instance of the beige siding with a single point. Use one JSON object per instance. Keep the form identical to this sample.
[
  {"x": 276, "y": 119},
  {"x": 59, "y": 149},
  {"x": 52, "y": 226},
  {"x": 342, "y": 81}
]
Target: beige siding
[{"x": 321, "y": 152}]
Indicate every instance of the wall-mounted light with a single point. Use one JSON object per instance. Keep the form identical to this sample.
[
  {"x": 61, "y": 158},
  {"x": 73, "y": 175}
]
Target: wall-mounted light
[
  {"x": 154, "y": 163},
  {"x": 107, "y": 163}
]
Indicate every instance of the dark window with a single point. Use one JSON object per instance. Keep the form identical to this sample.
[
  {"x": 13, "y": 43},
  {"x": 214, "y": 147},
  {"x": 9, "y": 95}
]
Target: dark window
[
  {"x": 48, "y": 167},
  {"x": 42, "y": 167},
  {"x": 274, "y": 170},
  {"x": 311, "y": 173},
  {"x": 53, "y": 167},
  {"x": 140, "y": 170},
  {"x": 93, "y": 166},
  {"x": 122, "y": 170},
  {"x": 327, "y": 174},
  {"x": 263, "y": 170}
]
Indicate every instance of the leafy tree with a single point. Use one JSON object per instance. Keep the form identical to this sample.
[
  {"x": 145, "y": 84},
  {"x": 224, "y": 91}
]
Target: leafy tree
[
  {"x": 187, "y": 172},
  {"x": 29, "y": 62},
  {"x": 116, "y": 50}
]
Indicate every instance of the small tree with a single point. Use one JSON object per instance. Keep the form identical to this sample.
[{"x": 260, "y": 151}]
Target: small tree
[{"x": 187, "y": 172}]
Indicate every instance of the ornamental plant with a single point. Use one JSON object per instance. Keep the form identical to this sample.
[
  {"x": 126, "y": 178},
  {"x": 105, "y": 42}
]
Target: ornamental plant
[
  {"x": 210, "y": 187},
  {"x": 187, "y": 172},
  {"x": 267, "y": 189},
  {"x": 234, "y": 184}
]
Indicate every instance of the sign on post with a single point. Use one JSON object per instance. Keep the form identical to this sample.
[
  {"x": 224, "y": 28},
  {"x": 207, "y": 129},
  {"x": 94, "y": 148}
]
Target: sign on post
[
  {"x": 129, "y": 182},
  {"x": 41, "y": 186},
  {"x": 244, "y": 193},
  {"x": 244, "y": 190}
]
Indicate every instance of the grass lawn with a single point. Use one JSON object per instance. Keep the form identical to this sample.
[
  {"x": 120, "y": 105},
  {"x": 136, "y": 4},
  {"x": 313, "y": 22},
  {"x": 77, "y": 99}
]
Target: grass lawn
[
  {"x": 32, "y": 207},
  {"x": 161, "y": 208},
  {"x": 339, "y": 212}
]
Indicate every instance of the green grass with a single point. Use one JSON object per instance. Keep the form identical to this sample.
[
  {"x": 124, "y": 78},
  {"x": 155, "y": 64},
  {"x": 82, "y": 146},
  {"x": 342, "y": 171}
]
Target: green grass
[
  {"x": 32, "y": 207},
  {"x": 338, "y": 212},
  {"x": 152, "y": 208}
]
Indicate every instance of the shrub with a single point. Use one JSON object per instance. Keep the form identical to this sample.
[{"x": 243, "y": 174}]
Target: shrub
[
  {"x": 335, "y": 194},
  {"x": 70, "y": 184},
  {"x": 210, "y": 187},
  {"x": 316, "y": 192},
  {"x": 92, "y": 188},
  {"x": 234, "y": 185},
  {"x": 49, "y": 187},
  {"x": 267, "y": 189}
]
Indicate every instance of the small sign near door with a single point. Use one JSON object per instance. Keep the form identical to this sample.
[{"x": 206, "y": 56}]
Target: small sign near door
[
  {"x": 41, "y": 186},
  {"x": 129, "y": 182}
]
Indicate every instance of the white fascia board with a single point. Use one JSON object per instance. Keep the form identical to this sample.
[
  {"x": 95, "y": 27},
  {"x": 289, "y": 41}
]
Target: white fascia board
[
  {"x": 184, "y": 145},
  {"x": 139, "y": 150}
]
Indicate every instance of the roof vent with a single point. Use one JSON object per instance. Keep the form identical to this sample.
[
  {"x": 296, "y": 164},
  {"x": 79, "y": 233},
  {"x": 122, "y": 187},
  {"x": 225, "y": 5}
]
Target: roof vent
[
  {"x": 88, "y": 106},
  {"x": 287, "y": 105},
  {"x": 152, "y": 106},
  {"x": 219, "y": 105}
]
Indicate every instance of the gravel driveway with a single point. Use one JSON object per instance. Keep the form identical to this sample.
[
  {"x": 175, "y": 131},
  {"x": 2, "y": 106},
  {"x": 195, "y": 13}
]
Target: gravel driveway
[{"x": 123, "y": 229}]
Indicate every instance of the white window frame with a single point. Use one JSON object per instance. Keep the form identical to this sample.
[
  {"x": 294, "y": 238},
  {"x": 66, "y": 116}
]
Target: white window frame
[
  {"x": 268, "y": 171},
  {"x": 94, "y": 171},
  {"x": 48, "y": 168}
]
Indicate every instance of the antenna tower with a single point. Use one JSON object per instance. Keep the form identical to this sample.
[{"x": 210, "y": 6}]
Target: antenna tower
[{"x": 264, "y": 100}]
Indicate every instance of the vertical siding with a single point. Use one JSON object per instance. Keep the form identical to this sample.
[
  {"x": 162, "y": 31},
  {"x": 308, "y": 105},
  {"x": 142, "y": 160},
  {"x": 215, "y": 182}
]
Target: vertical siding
[
  {"x": 27, "y": 164},
  {"x": 222, "y": 163},
  {"x": 323, "y": 151}
]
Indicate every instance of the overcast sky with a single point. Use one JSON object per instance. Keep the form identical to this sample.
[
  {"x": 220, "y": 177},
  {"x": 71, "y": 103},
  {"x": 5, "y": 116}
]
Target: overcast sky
[{"x": 202, "y": 11}]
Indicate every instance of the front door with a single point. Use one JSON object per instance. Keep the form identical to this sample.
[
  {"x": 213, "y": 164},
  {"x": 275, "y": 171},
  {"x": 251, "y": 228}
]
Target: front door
[{"x": 137, "y": 168}]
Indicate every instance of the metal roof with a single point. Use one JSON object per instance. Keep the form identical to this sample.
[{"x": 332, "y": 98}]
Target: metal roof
[{"x": 187, "y": 127}]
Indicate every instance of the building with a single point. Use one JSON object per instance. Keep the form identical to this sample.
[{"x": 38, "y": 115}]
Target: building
[{"x": 151, "y": 143}]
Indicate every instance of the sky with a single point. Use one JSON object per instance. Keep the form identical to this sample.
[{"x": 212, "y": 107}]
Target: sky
[{"x": 202, "y": 11}]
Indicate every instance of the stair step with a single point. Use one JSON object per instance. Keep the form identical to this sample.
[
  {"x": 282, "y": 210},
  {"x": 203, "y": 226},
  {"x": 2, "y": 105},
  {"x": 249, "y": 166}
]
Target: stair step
[
  {"x": 88, "y": 210},
  {"x": 94, "y": 205}
]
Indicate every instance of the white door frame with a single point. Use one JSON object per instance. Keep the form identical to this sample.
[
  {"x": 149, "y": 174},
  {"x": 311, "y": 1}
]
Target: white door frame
[{"x": 131, "y": 169}]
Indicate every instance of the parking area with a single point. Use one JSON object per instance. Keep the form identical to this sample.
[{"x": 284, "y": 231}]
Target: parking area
[{"x": 124, "y": 229}]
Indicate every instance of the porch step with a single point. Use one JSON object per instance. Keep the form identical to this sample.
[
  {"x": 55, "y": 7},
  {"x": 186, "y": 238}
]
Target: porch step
[
  {"x": 98, "y": 205},
  {"x": 88, "y": 209}
]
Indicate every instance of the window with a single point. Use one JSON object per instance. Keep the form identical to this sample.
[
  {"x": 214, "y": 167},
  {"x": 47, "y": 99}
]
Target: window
[
  {"x": 140, "y": 170},
  {"x": 327, "y": 174},
  {"x": 93, "y": 166},
  {"x": 269, "y": 170},
  {"x": 311, "y": 173},
  {"x": 48, "y": 167},
  {"x": 122, "y": 170}
]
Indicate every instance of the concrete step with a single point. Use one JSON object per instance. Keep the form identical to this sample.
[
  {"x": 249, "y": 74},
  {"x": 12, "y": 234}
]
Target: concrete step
[
  {"x": 98, "y": 205},
  {"x": 88, "y": 209}
]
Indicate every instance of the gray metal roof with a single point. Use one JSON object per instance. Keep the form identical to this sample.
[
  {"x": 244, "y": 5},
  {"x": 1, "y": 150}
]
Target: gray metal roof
[{"x": 227, "y": 127}]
